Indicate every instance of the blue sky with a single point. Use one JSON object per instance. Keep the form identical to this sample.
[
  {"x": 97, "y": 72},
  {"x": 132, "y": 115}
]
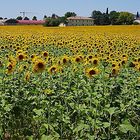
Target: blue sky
[{"x": 12, "y": 8}]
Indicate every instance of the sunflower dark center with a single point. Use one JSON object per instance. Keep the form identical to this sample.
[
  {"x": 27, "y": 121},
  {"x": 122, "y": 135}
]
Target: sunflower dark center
[
  {"x": 64, "y": 60},
  {"x": 77, "y": 59},
  {"x": 10, "y": 67},
  {"x": 45, "y": 54},
  {"x": 92, "y": 72},
  {"x": 20, "y": 57},
  {"x": 90, "y": 57},
  {"x": 95, "y": 62},
  {"x": 113, "y": 65},
  {"x": 40, "y": 65},
  {"x": 113, "y": 71}
]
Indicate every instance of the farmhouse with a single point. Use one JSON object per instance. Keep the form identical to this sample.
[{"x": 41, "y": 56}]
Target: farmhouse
[
  {"x": 2, "y": 22},
  {"x": 80, "y": 21}
]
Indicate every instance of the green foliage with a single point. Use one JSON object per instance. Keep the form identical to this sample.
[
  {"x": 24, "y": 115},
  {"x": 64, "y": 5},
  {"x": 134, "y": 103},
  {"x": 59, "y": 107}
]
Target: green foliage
[
  {"x": 76, "y": 107},
  {"x": 114, "y": 18},
  {"x": 50, "y": 22},
  {"x": 34, "y": 18},
  {"x": 97, "y": 15},
  {"x": 19, "y": 18},
  {"x": 11, "y": 21},
  {"x": 136, "y": 23},
  {"x": 125, "y": 18},
  {"x": 26, "y": 18},
  {"x": 70, "y": 14}
]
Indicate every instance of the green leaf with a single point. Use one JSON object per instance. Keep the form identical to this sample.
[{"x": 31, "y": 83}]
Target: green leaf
[
  {"x": 111, "y": 110},
  {"x": 38, "y": 111},
  {"x": 81, "y": 127},
  {"x": 106, "y": 124},
  {"x": 44, "y": 137},
  {"x": 127, "y": 127},
  {"x": 50, "y": 137}
]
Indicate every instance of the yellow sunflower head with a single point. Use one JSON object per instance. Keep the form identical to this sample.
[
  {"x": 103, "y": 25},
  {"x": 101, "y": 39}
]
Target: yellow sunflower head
[
  {"x": 39, "y": 66},
  {"x": 95, "y": 61},
  {"x": 21, "y": 56},
  {"x": 90, "y": 72},
  {"x": 45, "y": 54}
]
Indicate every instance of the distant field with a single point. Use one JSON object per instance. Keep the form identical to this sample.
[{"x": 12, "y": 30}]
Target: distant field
[{"x": 71, "y": 83}]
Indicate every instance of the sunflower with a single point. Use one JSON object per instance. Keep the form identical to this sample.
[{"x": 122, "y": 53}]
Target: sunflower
[
  {"x": 95, "y": 61},
  {"x": 45, "y": 54},
  {"x": 10, "y": 68},
  {"x": 115, "y": 71},
  {"x": 12, "y": 60},
  {"x": 90, "y": 72},
  {"x": 65, "y": 60},
  {"x": 21, "y": 56},
  {"x": 39, "y": 66},
  {"x": 114, "y": 64},
  {"x": 53, "y": 69},
  {"x": 77, "y": 59},
  {"x": 123, "y": 61}
]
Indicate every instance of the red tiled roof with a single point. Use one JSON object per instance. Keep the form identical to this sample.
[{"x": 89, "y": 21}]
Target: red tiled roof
[
  {"x": 31, "y": 21},
  {"x": 79, "y": 17}
]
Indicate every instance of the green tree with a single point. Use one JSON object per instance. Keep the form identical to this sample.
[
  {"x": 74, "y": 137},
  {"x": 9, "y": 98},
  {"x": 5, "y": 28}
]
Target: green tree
[
  {"x": 97, "y": 16},
  {"x": 34, "y": 18},
  {"x": 19, "y": 18},
  {"x": 125, "y": 18},
  {"x": 11, "y": 22},
  {"x": 107, "y": 11},
  {"x": 52, "y": 22},
  {"x": 26, "y": 18},
  {"x": 137, "y": 15},
  {"x": 104, "y": 19},
  {"x": 70, "y": 14},
  {"x": 114, "y": 17},
  {"x": 45, "y": 17}
]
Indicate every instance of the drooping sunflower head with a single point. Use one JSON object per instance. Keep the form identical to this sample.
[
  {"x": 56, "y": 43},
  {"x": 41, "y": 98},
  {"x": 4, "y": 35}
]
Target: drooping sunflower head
[
  {"x": 53, "y": 69},
  {"x": 39, "y": 66},
  {"x": 65, "y": 60},
  {"x": 12, "y": 60},
  {"x": 115, "y": 71},
  {"x": 123, "y": 61},
  {"x": 27, "y": 76},
  {"x": 10, "y": 68}
]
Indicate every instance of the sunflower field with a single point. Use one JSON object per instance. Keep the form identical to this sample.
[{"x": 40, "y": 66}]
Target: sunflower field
[{"x": 70, "y": 83}]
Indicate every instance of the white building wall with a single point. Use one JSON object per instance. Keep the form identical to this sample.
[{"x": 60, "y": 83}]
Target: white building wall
[{"x": 80, "y": 22}]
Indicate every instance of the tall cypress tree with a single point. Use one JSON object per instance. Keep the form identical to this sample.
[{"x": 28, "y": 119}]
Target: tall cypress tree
[
  {"x": 107, "y": 11},
  {"x": 137, "y": 16}
]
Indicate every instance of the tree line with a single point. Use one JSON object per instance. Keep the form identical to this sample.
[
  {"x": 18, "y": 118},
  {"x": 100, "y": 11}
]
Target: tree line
[
  {"x": 100, "y": 18},
  {"x": 113, "y": 18}
]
